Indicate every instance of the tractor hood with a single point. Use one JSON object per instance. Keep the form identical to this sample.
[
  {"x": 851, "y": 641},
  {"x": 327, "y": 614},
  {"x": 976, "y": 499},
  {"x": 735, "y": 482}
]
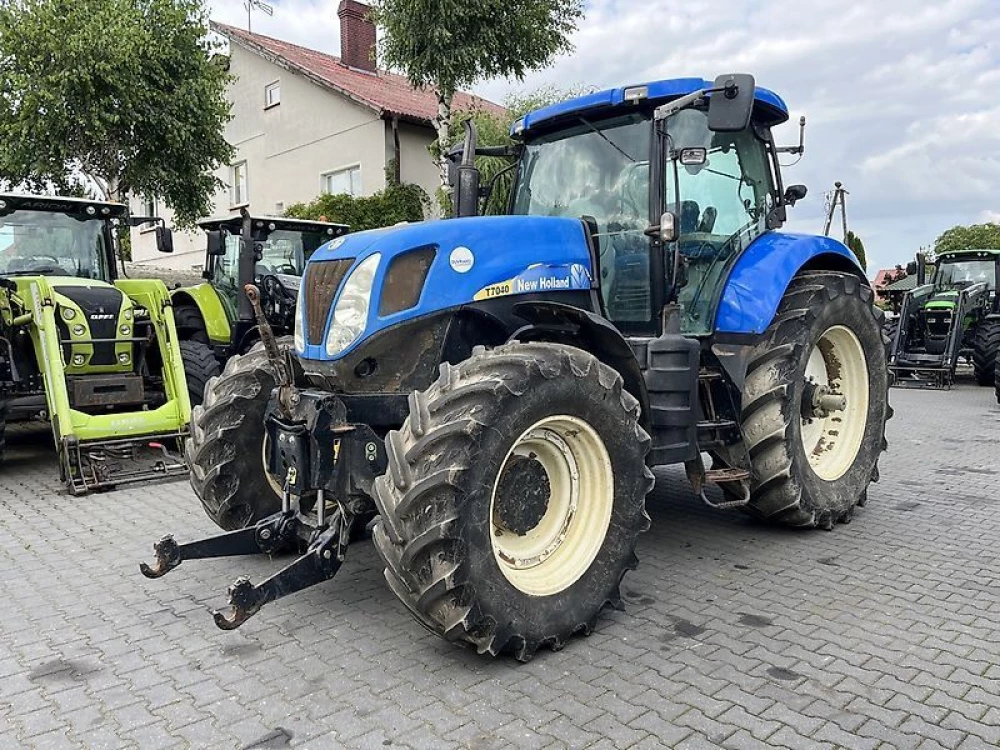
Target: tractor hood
[
  {"x": 945, "y": 300},
  {"x": 461, "y": 261}
]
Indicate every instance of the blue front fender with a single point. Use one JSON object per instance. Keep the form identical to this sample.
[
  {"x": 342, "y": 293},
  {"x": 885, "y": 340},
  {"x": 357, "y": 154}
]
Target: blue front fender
[{"x": 763, "y": 272}]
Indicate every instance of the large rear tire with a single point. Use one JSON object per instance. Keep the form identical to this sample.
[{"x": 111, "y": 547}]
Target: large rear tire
[
  {"x": 514, "y": 498},
  {"x": 226, "y": 448},
  {"x": 812, "y": 454},
  {"x": 200, "y": 366},
  {"x": 985, "y": 345}
]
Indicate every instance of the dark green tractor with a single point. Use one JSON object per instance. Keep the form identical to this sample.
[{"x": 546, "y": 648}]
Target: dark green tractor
[{"x": 955, "y": 316}]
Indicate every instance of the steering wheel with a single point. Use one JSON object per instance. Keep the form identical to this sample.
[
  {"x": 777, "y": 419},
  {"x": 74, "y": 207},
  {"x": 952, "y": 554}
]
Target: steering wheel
[{"x": 275, "y": 301}]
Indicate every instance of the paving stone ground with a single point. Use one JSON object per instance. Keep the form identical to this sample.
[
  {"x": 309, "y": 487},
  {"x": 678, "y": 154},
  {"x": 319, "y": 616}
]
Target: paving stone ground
[{"x": 882, "y": 633}]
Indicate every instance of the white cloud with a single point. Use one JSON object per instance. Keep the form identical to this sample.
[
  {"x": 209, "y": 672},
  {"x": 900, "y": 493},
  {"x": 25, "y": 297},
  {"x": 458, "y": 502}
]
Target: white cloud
[{"x": 900, "y": 95}]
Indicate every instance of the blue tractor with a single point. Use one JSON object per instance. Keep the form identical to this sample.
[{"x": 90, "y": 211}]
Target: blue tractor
[{"x": 490, "y": 393}]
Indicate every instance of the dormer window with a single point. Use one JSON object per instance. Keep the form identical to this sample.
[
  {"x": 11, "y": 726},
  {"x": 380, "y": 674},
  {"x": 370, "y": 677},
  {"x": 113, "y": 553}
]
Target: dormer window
[{"x": 272, "y": 95}]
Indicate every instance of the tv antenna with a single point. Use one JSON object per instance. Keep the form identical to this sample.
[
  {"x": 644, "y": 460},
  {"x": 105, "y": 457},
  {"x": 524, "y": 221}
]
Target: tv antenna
[{"x": 256, "y": 5}]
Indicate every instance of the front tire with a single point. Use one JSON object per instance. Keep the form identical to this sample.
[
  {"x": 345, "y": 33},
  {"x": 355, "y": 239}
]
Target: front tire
[
  {"x": 200, "y": 366},
  {"x": 812, "y": 454},
  {"x": 226, "y": 447},
  {"x": 985, "y": 346},
  {"x": 514, "y": 498}
]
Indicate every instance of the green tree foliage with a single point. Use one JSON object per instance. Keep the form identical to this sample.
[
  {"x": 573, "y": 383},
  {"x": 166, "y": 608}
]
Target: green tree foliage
[
  {"x": 857, "y": 247},
  {"x": 387, "y": 207},
  {"x": 494, "y": 130},
  {"x": 452, "y": 44},
  {"x": 123, "y": 91},
  {"x": 974, "y": 237}
]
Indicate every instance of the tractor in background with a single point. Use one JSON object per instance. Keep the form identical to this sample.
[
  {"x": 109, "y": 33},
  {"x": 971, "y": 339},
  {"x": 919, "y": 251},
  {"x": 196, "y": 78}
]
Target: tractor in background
[
  {"x": 267, "y": 251},
  {"x": 96, "y": 356},
  {"x": 497, "y": 389},
  {"x": 956, "y": 315}
]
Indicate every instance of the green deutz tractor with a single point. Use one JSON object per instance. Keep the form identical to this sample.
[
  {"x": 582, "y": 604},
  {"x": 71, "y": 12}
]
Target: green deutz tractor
[
  {"x": 270, "y": 252},
  {"x": 955, "y": 316},
  {"x": 95, "y": 355},
  {"x": 496, "y": 389}
]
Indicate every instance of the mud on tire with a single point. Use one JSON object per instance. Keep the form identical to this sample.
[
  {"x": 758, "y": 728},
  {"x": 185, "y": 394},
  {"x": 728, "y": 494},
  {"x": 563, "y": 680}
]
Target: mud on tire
[
  {"x": 785, "y": 488},
  {"x": 441, "y": 498},
  {"x": 226, "y": 448}
]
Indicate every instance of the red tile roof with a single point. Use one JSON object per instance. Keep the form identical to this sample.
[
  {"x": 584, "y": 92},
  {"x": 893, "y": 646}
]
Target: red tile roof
[{"x": 388, "y": 93}]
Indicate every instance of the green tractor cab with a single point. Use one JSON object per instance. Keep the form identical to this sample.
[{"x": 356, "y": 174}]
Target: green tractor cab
[
  {"x": 955, "y": 316},
  {"x": 270, "y": 252},
  {"x": 95, "y": 355}
]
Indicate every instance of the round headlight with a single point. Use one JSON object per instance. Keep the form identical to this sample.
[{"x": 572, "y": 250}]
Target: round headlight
[
  {"x": 68, "y": 313},
  {"x": 128, "y": 314},
  {"x": 78, "y": 359},
  {"x": 123, "y": 358},
  {"x": 79, "y": 330},
  {"x": 125, "y": 330},
  {"x": 91, "y": 210},
  {"x": 351, "y": 313}
]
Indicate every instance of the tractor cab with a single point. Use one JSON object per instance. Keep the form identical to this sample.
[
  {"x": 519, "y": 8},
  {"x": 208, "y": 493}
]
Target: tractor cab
[
  {"x": 956, "y": 271},
  {"x": 268, "y": 251}
]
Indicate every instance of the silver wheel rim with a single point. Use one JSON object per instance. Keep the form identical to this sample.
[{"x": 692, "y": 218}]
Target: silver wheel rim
[
  {"x": 561, "y": 545},
  {"x": 837, "y": 387}
]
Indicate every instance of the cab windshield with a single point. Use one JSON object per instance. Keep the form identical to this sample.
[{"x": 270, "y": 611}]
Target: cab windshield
[
  {"x": 52, "y": 244},
  {"x": 963, "y": 273}
]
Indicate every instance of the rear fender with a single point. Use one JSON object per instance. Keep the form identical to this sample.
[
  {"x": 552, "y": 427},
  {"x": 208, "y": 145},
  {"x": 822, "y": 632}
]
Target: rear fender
[
  {"x": 760, "y": 276},
  {"x": 565, "y": 324}
]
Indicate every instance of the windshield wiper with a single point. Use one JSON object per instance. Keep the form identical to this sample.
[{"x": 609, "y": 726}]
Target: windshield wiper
[
  {"x": 43, "y": 271},
  {"x": 614, "y": 145}
]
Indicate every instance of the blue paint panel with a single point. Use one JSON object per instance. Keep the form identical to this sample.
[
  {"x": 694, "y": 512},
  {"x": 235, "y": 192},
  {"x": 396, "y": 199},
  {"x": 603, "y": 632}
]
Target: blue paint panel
[
  {"x": 503, "y": 248},
  {"x": 771, "y": 108},
  {"x": 758, "y": 281}
]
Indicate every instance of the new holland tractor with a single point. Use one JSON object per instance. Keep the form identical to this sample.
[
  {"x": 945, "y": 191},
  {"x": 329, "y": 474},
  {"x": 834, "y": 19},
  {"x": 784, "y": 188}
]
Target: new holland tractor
[
  {"x": 95, "y": 355},
  {"x": 956, "y": 315},
  {"x": 497, "y": 389}
]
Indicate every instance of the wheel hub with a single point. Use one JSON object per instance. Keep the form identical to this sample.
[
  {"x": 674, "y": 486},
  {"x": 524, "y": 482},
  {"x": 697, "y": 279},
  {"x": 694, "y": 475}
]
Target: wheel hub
[
  {"x": 819, "y": 401},
  {"x": 522, "y": 495}
]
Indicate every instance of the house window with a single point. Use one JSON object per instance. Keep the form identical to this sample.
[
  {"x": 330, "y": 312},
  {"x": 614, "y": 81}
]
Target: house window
[
  {"x": 239, "y": 193},
  {"x": 272, "y": 94},
  {"x": 342, "y": 181},
  {"x": 148, "y": 209}
]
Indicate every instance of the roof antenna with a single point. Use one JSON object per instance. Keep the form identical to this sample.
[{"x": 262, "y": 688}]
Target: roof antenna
[{"x": 259, "y": 5}]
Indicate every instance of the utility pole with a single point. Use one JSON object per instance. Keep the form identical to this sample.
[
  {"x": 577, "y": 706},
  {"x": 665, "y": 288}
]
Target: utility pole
[
  {"x": 837, "y": 197},
  {"x": 258, "y": 5}
]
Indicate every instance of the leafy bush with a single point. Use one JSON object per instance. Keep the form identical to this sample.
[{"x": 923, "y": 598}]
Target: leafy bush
[{"x": 396, "y": 203}]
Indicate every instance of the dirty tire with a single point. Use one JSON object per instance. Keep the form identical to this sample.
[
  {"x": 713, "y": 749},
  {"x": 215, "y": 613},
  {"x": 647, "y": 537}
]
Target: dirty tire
[
  {"x": 189, "y": 323},
  {"x": 200, "y": 366},
  {"x": 437, "y": 507},
  {"x": 225, "y": 451},
  {"x": 784, "y": 486},
  {"x": 985, "y": 346}
]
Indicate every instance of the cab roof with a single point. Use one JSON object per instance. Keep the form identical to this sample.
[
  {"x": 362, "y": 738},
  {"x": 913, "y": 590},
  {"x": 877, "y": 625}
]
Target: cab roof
[
  {"x": 969, "y": 254},
  {"x": 83, "y": 207},
  {"x": 769, "y": 107},
  {"x": 234, "y": 224}
]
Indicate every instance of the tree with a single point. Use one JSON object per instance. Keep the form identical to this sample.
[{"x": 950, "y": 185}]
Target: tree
[
  {"x": 125, "y": 92},
  {"x": 974, "y": 237},
  {"x": 857, "y": 247},
  {"x": 454, "y": 44}
]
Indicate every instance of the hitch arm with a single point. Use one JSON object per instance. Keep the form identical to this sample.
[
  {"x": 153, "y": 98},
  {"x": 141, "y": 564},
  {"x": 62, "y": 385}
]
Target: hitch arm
[
  {"x": 320, "y": 563},
  {"x": 269, "y": 535}
]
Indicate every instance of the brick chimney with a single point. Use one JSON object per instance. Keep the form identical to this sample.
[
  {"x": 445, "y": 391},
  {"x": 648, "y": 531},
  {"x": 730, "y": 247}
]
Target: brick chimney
[{"x": 357, "y": 36}]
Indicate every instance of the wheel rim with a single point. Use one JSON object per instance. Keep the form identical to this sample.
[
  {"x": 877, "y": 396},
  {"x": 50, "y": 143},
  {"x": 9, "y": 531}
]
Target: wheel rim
[
  {"x": 272, "y": 482},
  {"x": 551, "y": 505},
  {"x": 835, "y": 403}
]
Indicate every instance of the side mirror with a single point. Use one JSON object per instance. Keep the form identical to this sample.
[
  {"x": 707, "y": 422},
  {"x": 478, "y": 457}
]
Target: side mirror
[
  {"x": 911, "y": 268},
  {"x": 729, "y": 109},
  {"x": 921, "y": 269},
  {"x": 795, "y": 193},
  {"x": 216, "y": 243},
  {"x": 164, "y": 239}
]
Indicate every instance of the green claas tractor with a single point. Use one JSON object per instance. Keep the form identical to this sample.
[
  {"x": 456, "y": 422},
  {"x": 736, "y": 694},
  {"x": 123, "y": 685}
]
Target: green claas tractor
[
  {"x": 267, "y": 251},
  {"x": 95, "y": 355},
  {"x": 955, "y": 316},
  {"x": 497, "y": 389}
]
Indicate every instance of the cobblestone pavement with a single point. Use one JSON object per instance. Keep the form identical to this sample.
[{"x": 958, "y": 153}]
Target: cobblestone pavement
[{"x": 883, "y": 633}]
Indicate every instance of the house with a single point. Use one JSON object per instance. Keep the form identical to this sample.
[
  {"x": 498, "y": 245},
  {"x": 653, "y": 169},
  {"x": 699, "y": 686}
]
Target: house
[
  {"x": 306, "y": 123},
  {"x": 884, "y": 277}
]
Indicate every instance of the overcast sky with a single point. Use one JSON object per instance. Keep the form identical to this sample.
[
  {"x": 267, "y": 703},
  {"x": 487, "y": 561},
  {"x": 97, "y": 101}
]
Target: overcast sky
[{"x": 902, "y": 97}]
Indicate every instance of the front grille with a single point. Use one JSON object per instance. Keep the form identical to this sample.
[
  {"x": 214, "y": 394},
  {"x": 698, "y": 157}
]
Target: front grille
[
  {"x": 100, "y": 306},
  {"x": 321, "y": 282}
]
